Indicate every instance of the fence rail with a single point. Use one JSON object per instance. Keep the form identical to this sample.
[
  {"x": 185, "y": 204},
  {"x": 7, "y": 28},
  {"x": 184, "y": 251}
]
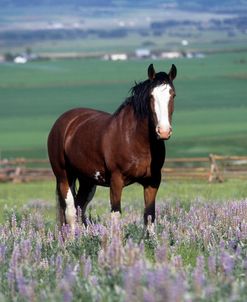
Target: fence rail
[{"x": 212, "y": 168}]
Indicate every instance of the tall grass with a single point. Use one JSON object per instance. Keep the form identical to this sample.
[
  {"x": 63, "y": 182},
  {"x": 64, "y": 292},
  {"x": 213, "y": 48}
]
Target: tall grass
[{"x": 197, "y": 254}]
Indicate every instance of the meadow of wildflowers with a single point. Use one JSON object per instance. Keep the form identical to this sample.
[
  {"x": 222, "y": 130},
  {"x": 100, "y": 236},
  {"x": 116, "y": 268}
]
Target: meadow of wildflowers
[{"x": 197, "y": 253}]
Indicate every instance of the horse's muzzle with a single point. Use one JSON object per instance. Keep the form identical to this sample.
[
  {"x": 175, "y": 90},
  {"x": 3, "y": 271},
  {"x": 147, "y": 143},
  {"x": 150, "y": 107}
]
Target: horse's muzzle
[{"x": 163, "y": 134}]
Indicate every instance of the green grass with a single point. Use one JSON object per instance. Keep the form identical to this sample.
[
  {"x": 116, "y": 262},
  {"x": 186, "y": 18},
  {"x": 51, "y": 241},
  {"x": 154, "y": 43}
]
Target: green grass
[
  {"x": 210, "y": 112},
  {"x": 205, "y": 131},
  {"x": 27, "y": 196}
]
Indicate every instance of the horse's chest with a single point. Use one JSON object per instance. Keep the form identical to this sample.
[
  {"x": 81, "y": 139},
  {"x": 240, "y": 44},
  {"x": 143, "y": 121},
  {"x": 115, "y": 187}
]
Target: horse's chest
[
  {"x": 140, "y": 165},
  {"x": 138, "y": 168}
]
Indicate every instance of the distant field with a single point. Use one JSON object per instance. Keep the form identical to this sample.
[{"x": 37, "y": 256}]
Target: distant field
[
  {"x": 210, "y": 114},
  {"x": 135, "y": 20}
]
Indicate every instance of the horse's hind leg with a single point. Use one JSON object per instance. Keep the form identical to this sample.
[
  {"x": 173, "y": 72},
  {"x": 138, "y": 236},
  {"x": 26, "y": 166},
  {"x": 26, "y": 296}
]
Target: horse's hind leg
[
  {"x": 84, "y": 196},
  {"x": 66, "y": 204}
]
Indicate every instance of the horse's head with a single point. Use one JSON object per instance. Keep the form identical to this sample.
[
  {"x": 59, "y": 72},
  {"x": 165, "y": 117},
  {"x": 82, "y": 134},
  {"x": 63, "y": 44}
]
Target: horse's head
[{"x": 162, "y": 100}]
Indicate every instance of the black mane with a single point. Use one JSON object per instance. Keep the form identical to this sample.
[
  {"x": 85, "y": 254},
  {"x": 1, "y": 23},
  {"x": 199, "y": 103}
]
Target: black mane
[{"x": 140, "y": 95}]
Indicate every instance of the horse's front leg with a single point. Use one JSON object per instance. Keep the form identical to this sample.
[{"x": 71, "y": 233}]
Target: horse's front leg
[
  {"x": 150, "y": 192},
  {"x": 116, "y": 187}
]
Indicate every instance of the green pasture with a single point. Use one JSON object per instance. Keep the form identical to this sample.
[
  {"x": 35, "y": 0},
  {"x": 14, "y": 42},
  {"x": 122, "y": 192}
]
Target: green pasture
[
  {"x": 210, "y": 111},
  {"x": 23, "y": 198}
]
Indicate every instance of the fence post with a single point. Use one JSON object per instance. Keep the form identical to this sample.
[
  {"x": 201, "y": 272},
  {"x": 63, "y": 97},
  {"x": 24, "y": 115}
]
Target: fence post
[
  {"x": 214, "y": 174},
  {"x": 17, "y": 175}
]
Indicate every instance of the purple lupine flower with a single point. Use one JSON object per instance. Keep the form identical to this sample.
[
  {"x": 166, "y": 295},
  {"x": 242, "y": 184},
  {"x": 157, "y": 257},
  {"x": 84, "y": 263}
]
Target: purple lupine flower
[
  {"x": 24, "y": 289},
  {"x": 132, "y": 281},
  {"x": 66, "y": 232},
  {"x": 20, "y": 280},
  {"x": 13, "y": 266},
  {"x": 25, "y": 247},
  {"x": 159, "y": 282},
  {"x": 161, "y": 254},
  {"x": 222, "y": 245},
  {"x": 198, "y": 275},
  {"x": 70, "y": 274},
  {"x": 87, "y": 267},
  {"x": 50, "y": 237},
  {"x": 23, "y": 225},
  {"x": 67, "y": 283},
  {"x": 227, "y": 261},
  {"x": 67, "y": 296},
  {"x": 177, "y": 261},
  {"x": 37, "y": 252},
  {"x": 94, "y": 280},
  {"x": 60, "y": 240},
  {"x": 149, "y": 296},
  {"x": 38, "y": 221},
  {"x": 3, "y": 249},
  {"x": 102, "y": 258},
  {"x": 59, "y": 266},
  {"x": 178, "y": 289},
  {"x": 115, "y": 252},
  {"x": 212, "y": 268},
  {"x": 66, "y": 291},
  {"x": 102, "y": 231},
  {"x": 132, "y": 252}
]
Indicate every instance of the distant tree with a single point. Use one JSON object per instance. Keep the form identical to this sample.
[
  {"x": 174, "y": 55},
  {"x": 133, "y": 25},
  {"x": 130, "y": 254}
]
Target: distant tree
[
  {"x": 9, "y": 57},
  {"x": 28, "y": 51}
]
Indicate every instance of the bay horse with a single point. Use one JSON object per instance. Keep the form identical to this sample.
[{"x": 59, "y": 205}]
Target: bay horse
[{"x": 113, "y": 150}]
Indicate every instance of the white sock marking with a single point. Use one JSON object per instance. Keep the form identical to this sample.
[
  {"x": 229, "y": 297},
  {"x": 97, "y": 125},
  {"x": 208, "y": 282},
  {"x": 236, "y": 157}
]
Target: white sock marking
[{"x": 70, "y": 211}]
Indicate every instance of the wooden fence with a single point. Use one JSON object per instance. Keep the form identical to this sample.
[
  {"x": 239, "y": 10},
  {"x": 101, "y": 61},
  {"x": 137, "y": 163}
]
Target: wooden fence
[
  {"x": 24, "y": 170},
  {"x": 213, "y": 168}
]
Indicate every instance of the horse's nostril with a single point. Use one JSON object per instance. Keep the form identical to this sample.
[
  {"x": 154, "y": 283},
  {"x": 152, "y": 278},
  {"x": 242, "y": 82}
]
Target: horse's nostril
[{"x": 163, "y": 133}]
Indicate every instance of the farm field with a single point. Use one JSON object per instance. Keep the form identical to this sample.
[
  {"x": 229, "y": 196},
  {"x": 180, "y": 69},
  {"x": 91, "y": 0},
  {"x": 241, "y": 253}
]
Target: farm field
[
  {"x": 78, "y": 28},
  {"x": 210, "y": 113},
  {"x": 197, "y": 253}
]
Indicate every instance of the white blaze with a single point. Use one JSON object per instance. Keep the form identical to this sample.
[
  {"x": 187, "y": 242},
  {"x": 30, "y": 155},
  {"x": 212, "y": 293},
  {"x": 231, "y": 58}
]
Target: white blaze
[
  {"x": 70, "y": 211},
  {"x": 161, "y": 96}
]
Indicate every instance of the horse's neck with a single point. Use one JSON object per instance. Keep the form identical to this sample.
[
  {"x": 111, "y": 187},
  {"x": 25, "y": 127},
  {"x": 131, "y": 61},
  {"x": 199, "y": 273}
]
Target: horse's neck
[{"x": 134, "y": 127}]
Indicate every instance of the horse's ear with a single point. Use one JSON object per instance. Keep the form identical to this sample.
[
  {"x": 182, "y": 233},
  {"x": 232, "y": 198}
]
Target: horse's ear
[
  {"x": 173, "y": 72},
  {"x": 151, "y": 72}
]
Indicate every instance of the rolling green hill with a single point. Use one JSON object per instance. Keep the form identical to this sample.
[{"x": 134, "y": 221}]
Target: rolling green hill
[{"x": 210, "y": 110}]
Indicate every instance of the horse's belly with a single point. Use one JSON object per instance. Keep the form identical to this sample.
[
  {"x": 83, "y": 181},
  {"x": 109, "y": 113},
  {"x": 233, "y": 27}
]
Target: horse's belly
[
  {"x": 88, "y": 168},
  {"x": 89, "y": 163}
]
